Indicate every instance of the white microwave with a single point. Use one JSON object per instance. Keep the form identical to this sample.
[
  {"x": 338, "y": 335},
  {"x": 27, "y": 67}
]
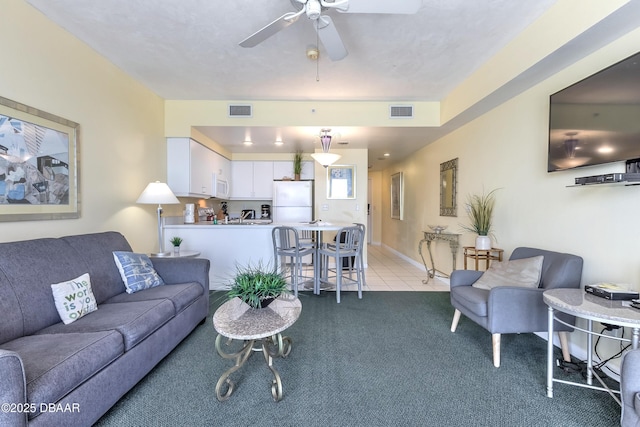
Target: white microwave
[{"x": 220, "y": 187}]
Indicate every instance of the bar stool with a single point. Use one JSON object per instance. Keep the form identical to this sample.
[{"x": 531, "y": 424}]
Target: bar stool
[
  {"x": 349, "y": 241},
  {"x": 287, "y": 246}
]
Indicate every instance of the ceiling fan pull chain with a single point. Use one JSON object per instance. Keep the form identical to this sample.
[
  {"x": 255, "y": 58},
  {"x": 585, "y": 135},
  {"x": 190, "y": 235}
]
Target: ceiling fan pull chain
[{"x": 317, "y": 47}]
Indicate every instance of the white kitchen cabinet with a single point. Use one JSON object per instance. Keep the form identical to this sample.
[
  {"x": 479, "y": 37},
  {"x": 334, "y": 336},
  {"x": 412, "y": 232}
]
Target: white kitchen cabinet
[
  {"x": 251, "y": 180},
  {"x": 190, "y": 167},
  {"x": 221, "y": 166},
  {"x": 284, "y": 168}
]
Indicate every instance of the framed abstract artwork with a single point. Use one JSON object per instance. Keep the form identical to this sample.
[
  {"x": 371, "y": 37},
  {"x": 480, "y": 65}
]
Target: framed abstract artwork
[{"x": 39, "y": 176}]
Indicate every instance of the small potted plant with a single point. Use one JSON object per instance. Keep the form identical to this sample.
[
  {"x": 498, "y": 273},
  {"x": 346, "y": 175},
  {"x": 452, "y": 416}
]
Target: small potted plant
[
  {"x": 257, "y": 285},
  {"x": 480, "y": 211},
  {"x": 297, "y": 165},
  {"x": 176, "y": 242}
]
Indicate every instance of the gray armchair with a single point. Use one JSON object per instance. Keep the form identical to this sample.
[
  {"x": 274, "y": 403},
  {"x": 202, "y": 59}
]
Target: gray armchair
[
  {"x": 509, "y": 310},
  {"x": 630, "y": 389}
]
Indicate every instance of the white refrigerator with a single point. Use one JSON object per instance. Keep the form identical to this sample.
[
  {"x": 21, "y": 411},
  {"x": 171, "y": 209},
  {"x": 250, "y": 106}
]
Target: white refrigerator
[{"x": 292, "y": 201}]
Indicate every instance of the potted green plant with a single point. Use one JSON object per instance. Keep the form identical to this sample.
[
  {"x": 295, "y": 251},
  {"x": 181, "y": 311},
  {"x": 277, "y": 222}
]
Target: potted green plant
[
  {"x": 176, "y": 242},
  {"x": 297, "y": 165},
  {"x": 480, "y": 212},
  {"x": 257, "y": 285}
]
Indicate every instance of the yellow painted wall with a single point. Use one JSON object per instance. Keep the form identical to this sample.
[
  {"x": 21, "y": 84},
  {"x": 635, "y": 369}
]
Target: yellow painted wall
[
  {"x": 122, "y": 144},
  {"x": 506, "y": 148},
  {"x": 182, "y": 115}
]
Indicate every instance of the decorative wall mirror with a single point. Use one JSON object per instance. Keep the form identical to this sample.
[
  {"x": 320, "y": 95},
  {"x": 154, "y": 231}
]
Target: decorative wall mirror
[
  {"x": 341, "y": 182},
  {"x": 448, "y": 184}
]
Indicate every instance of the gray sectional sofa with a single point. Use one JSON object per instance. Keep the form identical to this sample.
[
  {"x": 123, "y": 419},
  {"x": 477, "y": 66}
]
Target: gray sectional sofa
[{"x": 52, "y": 374}]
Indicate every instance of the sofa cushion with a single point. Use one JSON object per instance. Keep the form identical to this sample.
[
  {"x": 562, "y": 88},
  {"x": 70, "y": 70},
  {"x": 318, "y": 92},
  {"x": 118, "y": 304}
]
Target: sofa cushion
[
  {"x": 523, "y": 272},
  {"x": 11, "y": 326},
  {"x": 134, "y": 320},
  {"x": 56, "y": 364},
  {"x": 30, "y": 267},
  {"x": 96, "y": 252},
  {"x": 137, "y": 271},
  {"x": 472, "y": 299},
  {"x": 181, "y": 295},
  {"x": 74, "y": 298}
]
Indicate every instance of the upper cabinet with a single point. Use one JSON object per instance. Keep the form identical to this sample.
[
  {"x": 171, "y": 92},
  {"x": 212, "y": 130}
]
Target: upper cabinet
[
  {"x": 190, "y": 167},
  {"x": 251, "y": 180},
  {"x": 284, "y": 169},
  {"x": 221, "y": 166}
]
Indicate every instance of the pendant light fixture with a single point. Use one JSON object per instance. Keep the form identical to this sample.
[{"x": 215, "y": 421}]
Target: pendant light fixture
[{"x": 325, "y": 158}]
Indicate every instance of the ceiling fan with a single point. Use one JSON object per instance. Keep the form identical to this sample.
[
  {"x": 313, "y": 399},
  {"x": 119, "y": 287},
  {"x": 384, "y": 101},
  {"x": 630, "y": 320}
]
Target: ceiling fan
[{"x": 327, "y": 32}]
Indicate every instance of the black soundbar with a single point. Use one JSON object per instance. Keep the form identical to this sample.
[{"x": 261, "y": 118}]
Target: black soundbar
[{"x": 608, "y": 178}]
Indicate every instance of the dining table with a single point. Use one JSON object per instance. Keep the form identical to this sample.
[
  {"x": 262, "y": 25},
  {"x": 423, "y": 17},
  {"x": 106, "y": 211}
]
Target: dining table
[{"x": 318, "y": 228}]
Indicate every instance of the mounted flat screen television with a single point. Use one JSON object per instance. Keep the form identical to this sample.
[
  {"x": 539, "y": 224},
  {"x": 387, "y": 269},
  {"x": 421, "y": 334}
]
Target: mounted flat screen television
[{"x": 597, "y": 120}]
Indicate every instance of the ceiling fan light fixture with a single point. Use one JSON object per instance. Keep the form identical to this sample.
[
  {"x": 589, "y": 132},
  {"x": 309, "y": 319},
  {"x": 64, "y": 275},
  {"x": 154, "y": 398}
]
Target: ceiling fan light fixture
[
  {"x": 325, "y": 158},
  {"x": 313, "y": 53},
  {"x": 313, "y": 9}
]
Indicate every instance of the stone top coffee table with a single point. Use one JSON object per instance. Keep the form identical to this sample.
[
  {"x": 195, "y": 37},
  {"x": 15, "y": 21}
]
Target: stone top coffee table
[{"x": 235, "y": 320}]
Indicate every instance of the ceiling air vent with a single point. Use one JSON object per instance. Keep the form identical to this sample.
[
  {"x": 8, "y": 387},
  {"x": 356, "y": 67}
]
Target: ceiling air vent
[
  {"x": 240, "y": 110},
  {"x": 401, "y": 111}
]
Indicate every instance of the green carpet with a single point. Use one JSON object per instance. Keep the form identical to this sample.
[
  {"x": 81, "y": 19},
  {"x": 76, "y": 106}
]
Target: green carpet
[{"x": 386, "y": 360}]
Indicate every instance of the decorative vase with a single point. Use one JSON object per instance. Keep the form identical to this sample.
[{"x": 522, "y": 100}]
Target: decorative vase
[
  {"x": 483, "y": 243},
  {"x": 296, "y": 177},
  {"x": 176, "y": 250},
  {"x": 265, "y": 302}
]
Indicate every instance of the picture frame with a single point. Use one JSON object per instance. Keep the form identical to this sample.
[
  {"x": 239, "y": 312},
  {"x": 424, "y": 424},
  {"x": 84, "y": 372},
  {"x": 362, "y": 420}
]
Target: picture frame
[
  {"x": 39, "y": 164},
  {"x": 397, "y": 196},
  {"x": 449, "y": 188},
  {"x": 341, "y": 182}
]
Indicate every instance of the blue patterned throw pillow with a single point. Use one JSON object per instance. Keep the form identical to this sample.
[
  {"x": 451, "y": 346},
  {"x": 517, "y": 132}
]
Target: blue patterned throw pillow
[{"x": 137, "y": 271}]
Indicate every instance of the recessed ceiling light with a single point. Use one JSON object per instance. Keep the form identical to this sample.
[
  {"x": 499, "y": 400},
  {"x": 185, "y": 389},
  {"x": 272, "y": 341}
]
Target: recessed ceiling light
[
  {"x": 387, "y": 154},
  {"x": 278, "y": 142},
  {"x": 605, "y": 149},
  {"x": 248, "y": 142}
]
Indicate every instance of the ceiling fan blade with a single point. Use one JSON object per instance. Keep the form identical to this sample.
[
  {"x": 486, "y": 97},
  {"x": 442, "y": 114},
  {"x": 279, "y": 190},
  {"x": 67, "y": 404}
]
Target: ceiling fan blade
[
  {"x": 328, "y": 35},
  {"x": 261, "y": 35},
  {"x": 407, "y": 7}
]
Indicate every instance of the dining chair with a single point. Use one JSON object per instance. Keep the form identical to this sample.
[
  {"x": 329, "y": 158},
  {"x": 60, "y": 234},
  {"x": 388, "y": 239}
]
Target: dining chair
[
  {"x": 349, "y": 241},
  {"x": 288, "y": 248},
  {"x": 363, "y": 239}
]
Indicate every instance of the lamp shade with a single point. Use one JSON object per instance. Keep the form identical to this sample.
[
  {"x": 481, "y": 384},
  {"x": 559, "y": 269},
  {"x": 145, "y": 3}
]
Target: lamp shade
[
  {"x": 157, "y": 193},
  {"x": 326, "y": 159}
]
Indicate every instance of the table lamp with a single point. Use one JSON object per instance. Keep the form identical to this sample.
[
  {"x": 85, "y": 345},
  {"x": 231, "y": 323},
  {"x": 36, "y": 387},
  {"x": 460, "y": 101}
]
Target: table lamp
[{"x": 158, "y": 192}]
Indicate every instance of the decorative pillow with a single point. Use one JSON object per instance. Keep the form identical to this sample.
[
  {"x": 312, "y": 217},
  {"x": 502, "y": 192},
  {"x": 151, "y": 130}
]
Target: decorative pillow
[
  {"x": 137, "y": 271},
  {"x": 523, "y": 272},
  {"x": 74, "y": 298}
]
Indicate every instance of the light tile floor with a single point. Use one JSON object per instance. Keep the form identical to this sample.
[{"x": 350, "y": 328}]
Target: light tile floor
[{"x": 387, "y": 271}]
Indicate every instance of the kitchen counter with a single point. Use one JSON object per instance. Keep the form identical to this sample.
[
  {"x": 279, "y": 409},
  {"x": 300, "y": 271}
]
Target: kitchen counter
[
  {"x": 247, "y": 223},
  {"x": 225, "y": 245}
]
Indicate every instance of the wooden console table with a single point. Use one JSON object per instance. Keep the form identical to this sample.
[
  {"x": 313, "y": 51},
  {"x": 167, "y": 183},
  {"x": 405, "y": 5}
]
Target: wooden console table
[
  {"x": 454, "y": 244},
  {"x": 486, "y": 255}
]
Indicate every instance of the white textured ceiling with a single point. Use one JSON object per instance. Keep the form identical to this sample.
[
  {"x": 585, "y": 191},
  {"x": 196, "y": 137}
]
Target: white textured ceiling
[{"x": 188, "y": 49}]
